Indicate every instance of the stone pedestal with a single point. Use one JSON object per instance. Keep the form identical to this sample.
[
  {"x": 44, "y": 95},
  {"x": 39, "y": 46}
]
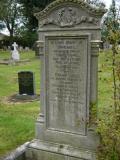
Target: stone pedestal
[{"x": 54, "y": 151}]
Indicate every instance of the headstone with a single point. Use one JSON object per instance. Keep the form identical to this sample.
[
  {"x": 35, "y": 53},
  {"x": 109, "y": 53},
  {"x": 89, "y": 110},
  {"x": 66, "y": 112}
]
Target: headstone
[
  {"x": 36, "y": 49},
  {"x": 15, "y": 53},
  {"x": 106, "y": 45},
  {"x": 27, "y": 49},
  {"x": 39, "y": 48},
  {"x": 110, "y": 46},
  {"x": 9, "y": 48},
  {"x": 70, "y": 33},
  {"x": 26, "y": 83},
  {"x": 20, "y": 48}
]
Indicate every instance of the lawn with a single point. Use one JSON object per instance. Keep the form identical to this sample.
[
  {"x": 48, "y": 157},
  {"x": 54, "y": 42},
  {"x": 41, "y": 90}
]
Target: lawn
[
  {"x": 17, "y": 120},
  {"x": 105, "y": 81}
]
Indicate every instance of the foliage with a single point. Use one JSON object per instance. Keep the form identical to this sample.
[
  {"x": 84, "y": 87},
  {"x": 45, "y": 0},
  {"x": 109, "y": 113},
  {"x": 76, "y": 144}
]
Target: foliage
[
  {"x": 24, "y": 37},
  {"x": 10, "y": 15},
  {"x": 109, "y": 127},
  {"x": 30, "y": 7},
  {"x": 2, "y": 26},
  {"x": 93, "y": 114},
  {"x": 25, "y": 34},
  {"x": 96, "y": 3},
  {"x": 110, "y": 138},
  {"x": 108, "y": 123},
  {"x": 111, "y": 23}
]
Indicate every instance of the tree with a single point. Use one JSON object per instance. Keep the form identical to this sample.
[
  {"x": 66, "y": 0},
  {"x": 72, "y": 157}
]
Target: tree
[
  {"x": 10, "y": 15},
  {"x": 28, "y": 32},
  {"x": 30, "y": 7},
  {"x": 112, "y": 18},
  {"x": 96, "y": 3}
]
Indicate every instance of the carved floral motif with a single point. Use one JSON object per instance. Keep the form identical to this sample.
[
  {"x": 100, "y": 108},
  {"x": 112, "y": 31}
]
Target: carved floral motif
[
  {"x": 95, "y": 11},
  {"x": 67, "y": 17}
]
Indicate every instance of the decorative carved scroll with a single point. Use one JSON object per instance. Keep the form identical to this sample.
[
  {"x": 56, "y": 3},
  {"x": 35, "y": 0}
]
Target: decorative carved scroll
[{"x": 68, "y": 17}]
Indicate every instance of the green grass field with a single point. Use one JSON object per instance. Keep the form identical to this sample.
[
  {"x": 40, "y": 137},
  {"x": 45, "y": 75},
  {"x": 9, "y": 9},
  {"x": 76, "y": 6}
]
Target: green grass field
[
  {"x": 105, "y": 81},
  {"x": 17, "y": 120}
]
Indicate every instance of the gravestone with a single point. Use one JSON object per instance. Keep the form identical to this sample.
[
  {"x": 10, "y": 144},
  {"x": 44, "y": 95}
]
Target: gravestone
[
  {"x": 36, "y": 49},
  {"x": 27, "y": 49},
  {"x": 69, "y": 36},
  {"x": 21, "y": 48},
  {"x": 39, "y": 48},
  {"x": 26, "y": 83},
  {"x": 15, "y": 53}
]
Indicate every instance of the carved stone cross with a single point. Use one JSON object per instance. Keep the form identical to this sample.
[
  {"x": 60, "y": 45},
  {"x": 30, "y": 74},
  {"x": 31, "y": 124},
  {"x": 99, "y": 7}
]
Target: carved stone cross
[{"x": 15, "y": 46}]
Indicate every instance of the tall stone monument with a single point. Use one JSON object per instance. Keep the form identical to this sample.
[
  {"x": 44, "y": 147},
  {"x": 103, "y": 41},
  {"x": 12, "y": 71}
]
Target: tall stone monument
[{"x": 69, "y": 36}]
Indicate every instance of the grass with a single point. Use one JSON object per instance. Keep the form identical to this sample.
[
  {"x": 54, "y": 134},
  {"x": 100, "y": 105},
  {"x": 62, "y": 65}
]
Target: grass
[
  {"x": 105, "y": 81},
  {"x": 17, "y": 120},
  {"x": 16, "y": 124}
]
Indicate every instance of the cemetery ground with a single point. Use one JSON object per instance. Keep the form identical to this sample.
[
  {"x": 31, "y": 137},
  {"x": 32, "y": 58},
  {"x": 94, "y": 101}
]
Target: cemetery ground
[{"x": 17, "y": 120}]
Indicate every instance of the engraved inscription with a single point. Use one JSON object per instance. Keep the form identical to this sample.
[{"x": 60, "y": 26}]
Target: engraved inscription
[{"x": 66, "y": 83}]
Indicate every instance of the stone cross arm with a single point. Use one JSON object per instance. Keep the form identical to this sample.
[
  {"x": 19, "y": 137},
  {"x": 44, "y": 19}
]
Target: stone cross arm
[{"x": 15, "y": 45}]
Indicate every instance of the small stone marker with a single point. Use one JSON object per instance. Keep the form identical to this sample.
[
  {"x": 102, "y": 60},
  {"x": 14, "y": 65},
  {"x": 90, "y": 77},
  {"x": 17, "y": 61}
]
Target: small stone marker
[
  {"x": 40, "y": 48},
  {"x": 27, "y": 49},
  {"x": 26, "y": 83},
  {"x": 15, "y": 53},
  {"x": 20, "y": 48}
]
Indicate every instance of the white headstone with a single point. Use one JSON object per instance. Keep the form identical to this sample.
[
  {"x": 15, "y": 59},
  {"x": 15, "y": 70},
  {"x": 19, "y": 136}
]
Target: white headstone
[
  {"x": 27, "y": 48},
  {"x": 20, "y": 48},
  {"x": 15, "y": 53}
]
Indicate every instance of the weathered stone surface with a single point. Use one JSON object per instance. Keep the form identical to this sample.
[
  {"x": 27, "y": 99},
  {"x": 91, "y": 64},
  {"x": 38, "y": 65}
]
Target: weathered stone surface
[
  {"x": 38, "y": 150},
  {"x": 69, "y": 13},
  {"x": 69, "y": 37},
  {"x": 18, "y": 154},
  {"x": 68, "y": 65},
  {"x": 15, "y": 53}
]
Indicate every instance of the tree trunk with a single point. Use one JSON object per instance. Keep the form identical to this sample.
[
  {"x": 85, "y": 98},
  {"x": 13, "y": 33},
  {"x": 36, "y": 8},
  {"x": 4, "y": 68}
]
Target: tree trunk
[{"x": 11, "y": 37}]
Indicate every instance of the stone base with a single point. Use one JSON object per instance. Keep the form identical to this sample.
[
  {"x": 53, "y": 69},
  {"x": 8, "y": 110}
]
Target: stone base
[
  {"x": 18, "y": 154},
  {"x": 26, "y": 97},
  {"x": 39, "y": 150}
]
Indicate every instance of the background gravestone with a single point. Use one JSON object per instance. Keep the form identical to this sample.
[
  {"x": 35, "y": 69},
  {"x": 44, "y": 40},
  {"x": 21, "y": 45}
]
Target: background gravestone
[
  {"x": 26, "y": 83},
  {"x": 69, "y": 35},
  {"x": 15, "y": 53}
]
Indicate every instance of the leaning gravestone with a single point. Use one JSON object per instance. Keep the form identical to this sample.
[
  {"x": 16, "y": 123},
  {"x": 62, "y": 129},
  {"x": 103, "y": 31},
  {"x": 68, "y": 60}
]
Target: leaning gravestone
[
  {"x": 26, "y": 83},
  {"x": 70, "y": 33}
]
